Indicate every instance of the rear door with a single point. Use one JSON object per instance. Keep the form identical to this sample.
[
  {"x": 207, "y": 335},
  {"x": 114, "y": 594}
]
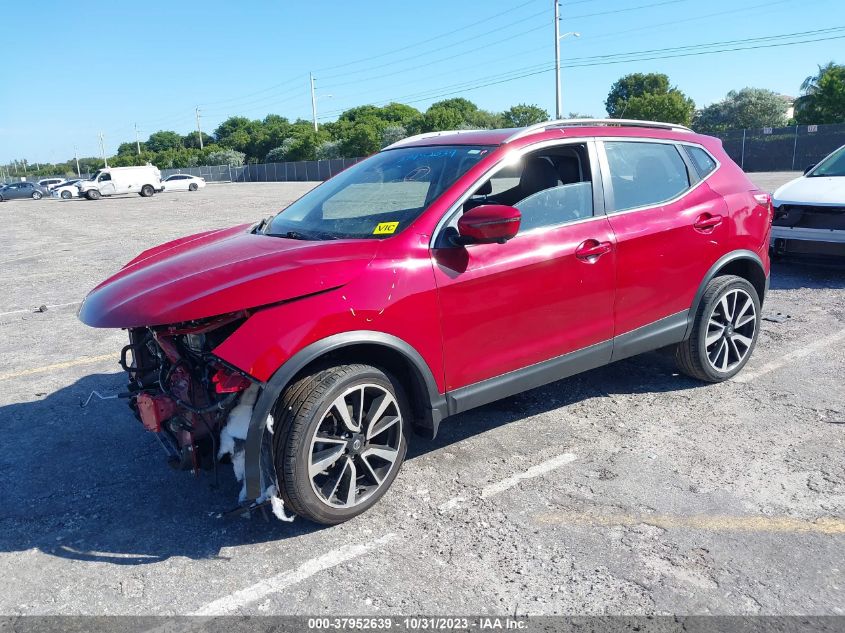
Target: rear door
[
  {"x": 670, "y": 228},
  {"x": 505, "y": 307}
]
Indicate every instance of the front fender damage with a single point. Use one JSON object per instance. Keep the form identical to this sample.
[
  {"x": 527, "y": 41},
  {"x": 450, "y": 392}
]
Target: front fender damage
[{"x": 233, "y": 444}]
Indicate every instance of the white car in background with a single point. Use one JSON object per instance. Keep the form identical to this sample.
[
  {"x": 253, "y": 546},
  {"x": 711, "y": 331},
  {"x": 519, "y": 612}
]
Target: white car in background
[
  {"x": 50, "y": 182},
  {"x": 810, "y": 210},
  {"x": 182, "y": 182},
  {"x": 65, "y": 189}
]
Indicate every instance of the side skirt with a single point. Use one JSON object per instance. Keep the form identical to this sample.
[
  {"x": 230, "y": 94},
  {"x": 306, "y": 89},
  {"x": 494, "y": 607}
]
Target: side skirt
[{"x": 653, "y": 336}]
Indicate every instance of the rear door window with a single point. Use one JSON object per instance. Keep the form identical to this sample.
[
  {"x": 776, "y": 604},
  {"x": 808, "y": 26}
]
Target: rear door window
[{"x": 645, "y": 174}]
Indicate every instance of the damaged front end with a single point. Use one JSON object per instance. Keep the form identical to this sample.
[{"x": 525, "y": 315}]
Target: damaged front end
[{"x": 198, "y": 406}]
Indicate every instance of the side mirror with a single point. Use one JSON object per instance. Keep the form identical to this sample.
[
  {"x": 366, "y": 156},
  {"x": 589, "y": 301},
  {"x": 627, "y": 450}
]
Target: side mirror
[
  {"x": 488, "y": 223},
  {"x": 808, "y": 169}
]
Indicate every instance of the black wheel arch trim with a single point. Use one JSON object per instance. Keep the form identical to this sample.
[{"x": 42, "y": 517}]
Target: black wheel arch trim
[
  {"x": 724, "y": 260},
  {"x": 435, "y": 408}
]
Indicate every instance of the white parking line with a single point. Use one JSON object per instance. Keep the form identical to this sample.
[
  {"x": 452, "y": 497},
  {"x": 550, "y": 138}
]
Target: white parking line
[
  {"x": 784, "y": 360},
  {"x": 32, "y": 310},
  {"x": 279, "y": 582},
  {"x": 535, "y": 471}
]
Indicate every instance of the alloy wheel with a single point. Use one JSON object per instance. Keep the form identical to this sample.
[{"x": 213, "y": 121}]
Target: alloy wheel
[
  {"x": 355, "y": 446},
  {"x": 730, "y": 330}
]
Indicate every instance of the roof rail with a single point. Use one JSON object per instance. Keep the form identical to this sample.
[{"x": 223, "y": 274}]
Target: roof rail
[
  {"x": 558, "y": 123},
  {"x": 419, "y": 137}
]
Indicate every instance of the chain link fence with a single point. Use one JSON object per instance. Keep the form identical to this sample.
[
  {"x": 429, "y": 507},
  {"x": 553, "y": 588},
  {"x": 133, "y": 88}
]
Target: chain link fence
[
  {"x": 782, "y": 148},
  {"x": 297, "y": 171}
]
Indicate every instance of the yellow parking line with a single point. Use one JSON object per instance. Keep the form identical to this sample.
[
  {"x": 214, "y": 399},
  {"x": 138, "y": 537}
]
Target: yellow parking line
[
  {"x": 713, "y": 523},
  {"x": 88, "y": 360}
]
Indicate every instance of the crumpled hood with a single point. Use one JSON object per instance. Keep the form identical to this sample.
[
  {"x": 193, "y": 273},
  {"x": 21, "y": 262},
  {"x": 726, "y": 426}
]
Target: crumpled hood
[
  {"x": 218, "y": 272},
  {"x": 822, "y": 190}
]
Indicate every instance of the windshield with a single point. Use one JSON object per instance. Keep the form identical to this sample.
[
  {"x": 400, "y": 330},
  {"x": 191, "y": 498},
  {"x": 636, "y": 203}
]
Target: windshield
[
  {"x": 833, "y": 165},
  {"x": 377, "y": 197}
]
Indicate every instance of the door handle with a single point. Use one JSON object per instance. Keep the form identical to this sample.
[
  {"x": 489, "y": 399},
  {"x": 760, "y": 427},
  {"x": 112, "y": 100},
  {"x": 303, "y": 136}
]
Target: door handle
[
  {"x": 590, "y": 250},
  {"x": 707, "y": 222}
]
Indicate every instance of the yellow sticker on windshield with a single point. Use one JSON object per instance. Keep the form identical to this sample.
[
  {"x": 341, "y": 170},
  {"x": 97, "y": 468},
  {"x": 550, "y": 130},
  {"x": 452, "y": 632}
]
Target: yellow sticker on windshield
[{"x": 386, "y": 228}]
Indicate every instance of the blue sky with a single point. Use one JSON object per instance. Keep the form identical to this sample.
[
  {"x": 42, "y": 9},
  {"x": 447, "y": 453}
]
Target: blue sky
[{"x": 106, "y": 66}]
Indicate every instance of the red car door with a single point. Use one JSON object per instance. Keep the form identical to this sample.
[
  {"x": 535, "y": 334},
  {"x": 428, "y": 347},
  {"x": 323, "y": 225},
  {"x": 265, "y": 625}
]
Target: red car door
[
  {"x": 544, "y": 294},
  {"x": 669, "y": 227}
]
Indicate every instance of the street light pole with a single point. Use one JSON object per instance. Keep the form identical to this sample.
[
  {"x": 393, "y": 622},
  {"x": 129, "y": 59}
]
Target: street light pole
[
  {"x": 76, "y": 158},
  {"x": 558, "y": 97},
  {"x": 137, "y": 140},
  {"x": 558, "y": 38}
]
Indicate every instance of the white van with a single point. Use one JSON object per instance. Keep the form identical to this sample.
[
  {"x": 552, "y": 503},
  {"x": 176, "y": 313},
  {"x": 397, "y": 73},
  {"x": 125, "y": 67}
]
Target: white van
[{"x": 144, "y": 180}]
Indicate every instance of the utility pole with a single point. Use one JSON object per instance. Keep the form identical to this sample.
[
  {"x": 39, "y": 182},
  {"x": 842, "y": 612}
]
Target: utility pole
[
  {"x": 137, "y": 141},
  {"x": 103, "y": 150},
  {"x": 558, "y": 97},
  {"x": 313, "y": 100},
  {"x": 199, "y": 130},
  {"x": 558, "y": 38},
  {"x": 76, "y": 158}
]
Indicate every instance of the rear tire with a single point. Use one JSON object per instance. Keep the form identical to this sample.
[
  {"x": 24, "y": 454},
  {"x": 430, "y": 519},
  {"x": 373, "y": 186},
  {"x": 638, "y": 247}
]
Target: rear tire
[
  {"x": 724, "y": 332},
  {"x": 36, "y": 195},
  {"x": 66, "y": 195},
  {"x": 362, "y": 416},
  {"x": 93, "y": 194},
  {"x": 193, "y": 186},
  {"x": 147, "y": 191}
]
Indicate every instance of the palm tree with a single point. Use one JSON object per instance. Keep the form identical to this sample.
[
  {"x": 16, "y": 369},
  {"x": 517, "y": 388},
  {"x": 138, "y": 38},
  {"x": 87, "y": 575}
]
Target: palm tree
[{"x": 811, "y": 83}]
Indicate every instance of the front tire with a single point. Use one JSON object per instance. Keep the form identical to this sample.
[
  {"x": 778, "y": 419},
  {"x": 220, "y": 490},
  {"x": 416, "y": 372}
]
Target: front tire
[
  {"x": 724, "y": 332},
  {"x": 147, "y": 191},
  {"x": 93, "y": 194},
  {"x": 193, "y": 186},
  {"x": 341, "y": 438},
  {"x": 36, "y": 195},
  {"x": 66, "y": 195}
]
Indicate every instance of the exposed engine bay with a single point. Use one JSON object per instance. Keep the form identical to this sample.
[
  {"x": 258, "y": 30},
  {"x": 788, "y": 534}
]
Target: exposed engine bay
[{"x": 198, "y": 406}]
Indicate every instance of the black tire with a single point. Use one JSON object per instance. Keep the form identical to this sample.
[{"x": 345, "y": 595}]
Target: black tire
[
  {"x": 304, "y": 408},
  {"x": 147, "y": 191},
  {"x": 66, "y": 195},
  {"x": 193, "y": 186},
  {"x": 693, "y": 356},
  {"x": 37, "y": 195},
  {"x": 93, "y": 194}
]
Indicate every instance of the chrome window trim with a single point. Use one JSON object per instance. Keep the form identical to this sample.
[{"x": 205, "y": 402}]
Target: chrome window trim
[
  {"x": 599, "y": 210},
  {"x": 605, "y": 166}
]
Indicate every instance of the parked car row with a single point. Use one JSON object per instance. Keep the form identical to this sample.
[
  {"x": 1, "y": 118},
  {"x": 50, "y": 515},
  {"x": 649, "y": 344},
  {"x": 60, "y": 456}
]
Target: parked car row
[{"x": 144, "y": 180}]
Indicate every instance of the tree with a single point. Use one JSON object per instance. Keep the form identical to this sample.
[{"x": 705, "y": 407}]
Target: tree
[
  {"x": 649, "y": 97},
  {"x": 163, "y": 140},
  {"x": 328, "y": 150},
  {"x": 746, "y": 108},
  {"x": 191, "y": 140},
  {"x": 454, "y": 114},
  {"x": 823, "y": 98},
  {"x": 523, "y": 115},
  {"x": 226, "y": 157},
  {"x": 393, "y": 134}
]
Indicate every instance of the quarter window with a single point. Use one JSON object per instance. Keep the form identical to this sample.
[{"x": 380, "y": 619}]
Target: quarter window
[
  {"x": 704, "y": 162},
  {"x": 645, "y": 174}
]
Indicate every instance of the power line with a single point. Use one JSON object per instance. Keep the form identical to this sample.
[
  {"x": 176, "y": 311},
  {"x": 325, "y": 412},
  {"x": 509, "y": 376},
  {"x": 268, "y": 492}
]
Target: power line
[
  {"x": 630, "y": 57},
  {"x": 485, "y": 46},
  {"x": 430, "y": 39},
  {"x": 614, "y": 11}
]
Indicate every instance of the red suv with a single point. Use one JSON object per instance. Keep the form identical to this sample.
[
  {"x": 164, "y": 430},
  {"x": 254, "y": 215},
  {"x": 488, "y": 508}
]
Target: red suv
[{"x": 447, "y": 271}]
